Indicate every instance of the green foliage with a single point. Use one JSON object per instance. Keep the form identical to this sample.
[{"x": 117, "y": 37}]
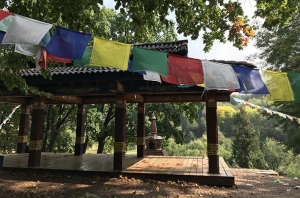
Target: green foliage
[
  {"x": 64, "y": 143},
  {"x": 225, "y": 118},
  {"x": 109, "y": 145},
  {"x": 214, "y": 18},
  {"x": 279, "y": 49},
  {"x": 276, "y": 154},
  {"x": 246, "y": 147},
  {"x": 279, "y": 158},
  {"x": 276, "y": 12},
  {"x": 198, "y": 147},
  {"x": 9, "y": 131},
  {"x": 293, "y": 168},
  {"x": 169, "y": 118},
  {"x": 225, "y": 148},
  {"x": 194, "y": 148}
]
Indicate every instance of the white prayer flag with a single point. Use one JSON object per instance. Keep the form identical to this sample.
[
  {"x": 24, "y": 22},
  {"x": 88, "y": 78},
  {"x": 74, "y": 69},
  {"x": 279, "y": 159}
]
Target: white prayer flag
[
  {"x": 152, "y": 76},
  {"x": 219, "y": 76},
  {"x": 37, "y": 59},
  {"x": 27, "y": 49},
  {"x": 25, "y": 30}
]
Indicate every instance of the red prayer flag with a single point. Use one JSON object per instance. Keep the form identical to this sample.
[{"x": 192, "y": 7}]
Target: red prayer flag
[
  {"x": 45, "y": 56},
  {"x": 183, "y": 70},
  {"x": 4, "y": 14}
]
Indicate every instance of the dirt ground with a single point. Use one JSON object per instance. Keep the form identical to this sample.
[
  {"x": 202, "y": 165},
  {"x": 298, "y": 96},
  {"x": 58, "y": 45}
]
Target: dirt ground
[{"x": 248, "y": 184}]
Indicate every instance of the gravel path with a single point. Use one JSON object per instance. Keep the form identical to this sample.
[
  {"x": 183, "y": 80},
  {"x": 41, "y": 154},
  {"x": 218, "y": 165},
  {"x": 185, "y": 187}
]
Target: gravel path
[{"x": 248, "y": 184}]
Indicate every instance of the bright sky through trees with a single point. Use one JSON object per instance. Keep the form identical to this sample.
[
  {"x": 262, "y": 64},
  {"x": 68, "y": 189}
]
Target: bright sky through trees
[{"x": 219, "y": 50}]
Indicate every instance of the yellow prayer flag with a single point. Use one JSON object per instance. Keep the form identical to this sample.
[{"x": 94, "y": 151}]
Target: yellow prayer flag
[
  {"x": 110, "y": 53},
  {"x": 278, "y": 85}
]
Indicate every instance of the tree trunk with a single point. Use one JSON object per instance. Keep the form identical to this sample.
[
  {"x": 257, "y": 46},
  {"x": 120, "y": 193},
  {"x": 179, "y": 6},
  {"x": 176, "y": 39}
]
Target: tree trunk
[
  {"x": 101, "y": 139},
  {"x": 101, "y": 143},
  {"x": 49, "y": 116},
  {"x": 59, "y": 123},
  {"x": 85, "y": 144},
  {"x": 52, "y": 141}
]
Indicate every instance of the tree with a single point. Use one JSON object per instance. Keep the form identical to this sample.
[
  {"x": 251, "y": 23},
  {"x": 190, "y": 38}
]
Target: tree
[
  {"x": 279, "y": 49},
  {"x": 246, "y": 147},
  {"x": 276, "y": 154},
  {"x": 218, "y": 20},
  {"x": 56, "y": 120},
  {"x": 226, "y": 116},
  {"x": 8, "y": 132}
]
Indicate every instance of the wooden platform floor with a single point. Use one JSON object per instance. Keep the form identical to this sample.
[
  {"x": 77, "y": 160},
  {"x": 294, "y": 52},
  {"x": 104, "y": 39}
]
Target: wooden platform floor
[{"x": 190, "y": 169}]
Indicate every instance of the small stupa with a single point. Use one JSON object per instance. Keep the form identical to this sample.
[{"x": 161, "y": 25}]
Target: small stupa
[{"x": 154, "y": 141}]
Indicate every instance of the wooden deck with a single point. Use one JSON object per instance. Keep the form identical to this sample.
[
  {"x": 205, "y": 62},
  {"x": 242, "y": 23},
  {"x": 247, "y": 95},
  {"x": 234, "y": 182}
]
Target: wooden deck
[{"x": 190, "y": 169}]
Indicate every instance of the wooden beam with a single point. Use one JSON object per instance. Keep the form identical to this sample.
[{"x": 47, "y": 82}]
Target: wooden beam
[
  {"x": 134, "y": 97},
  {"x": 68, "y": 99},
  {"x": 156, "y": 98},
  {"x": 223, "y": 97},
  {"x": 116, "y": 87},
  {"x": 100, "y": 100},
  {"x": 174, "y": 98},
  {"x": 14, "y": 100}
]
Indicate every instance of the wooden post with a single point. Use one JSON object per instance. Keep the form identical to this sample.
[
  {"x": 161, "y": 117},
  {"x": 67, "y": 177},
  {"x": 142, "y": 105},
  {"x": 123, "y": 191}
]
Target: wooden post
[
  {"x": 212, "y": 132},
  {"x": 80, "y": 129},
  {"x": 23, "y": 129},
  {"x": 37, "y": 127},
  {"x": 120, "y": 132},
  {"x": 141, "y": 130}
]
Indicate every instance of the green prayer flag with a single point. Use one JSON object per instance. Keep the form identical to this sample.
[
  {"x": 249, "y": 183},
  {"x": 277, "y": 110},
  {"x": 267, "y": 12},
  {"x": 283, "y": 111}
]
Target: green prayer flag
[
  {"x": 150, "y": 60},
  {"x": 294, "y": 79},
  {"x": 5, "y": 23},
  {"x": 85, "y": 61}
]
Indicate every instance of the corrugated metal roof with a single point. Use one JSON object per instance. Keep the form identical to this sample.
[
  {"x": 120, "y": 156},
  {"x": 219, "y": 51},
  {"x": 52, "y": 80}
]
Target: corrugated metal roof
[
  {"x": 69, "y": 70},
  {"x": 175, "y": 47}
]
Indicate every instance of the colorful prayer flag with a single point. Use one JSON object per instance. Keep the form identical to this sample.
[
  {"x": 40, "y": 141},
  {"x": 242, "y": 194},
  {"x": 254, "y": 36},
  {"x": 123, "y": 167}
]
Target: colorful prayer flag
[
  {"x": 183, "y": 70},
  {"x": 5, "y": 23},
  {"x": 27, "y": 49},
  {"x": 130, "y": 68},
  {"x": 4, "y": 14},
  {"x": 152, "y": 76},
  {"x": 1, "y": 37},
  {"x": 26, "y": 30},
  {"x": 219, "y": 76},
  {"x": 290, "y": 117},
  {"x": 110, "y": 53},
  {"x": 85, "y": 60},
  {"x": 68, "y": 43},
  {"x": 43, "y": 56},
  {"x": 150, "y": 60},
  {"x": 278, "y": 85},
  {"x": 294, "y": 79},
  {"x": 45, "y": 39},
  {"x": 250, "y": 80}
]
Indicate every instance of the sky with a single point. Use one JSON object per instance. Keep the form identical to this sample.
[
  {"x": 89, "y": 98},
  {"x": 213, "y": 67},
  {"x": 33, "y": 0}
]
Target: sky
[{"x": 219, "y": 50}]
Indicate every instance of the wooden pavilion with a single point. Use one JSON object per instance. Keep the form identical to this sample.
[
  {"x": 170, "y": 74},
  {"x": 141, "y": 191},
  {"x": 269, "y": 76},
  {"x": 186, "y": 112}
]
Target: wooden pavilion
[{"x": 82, "y": 86}]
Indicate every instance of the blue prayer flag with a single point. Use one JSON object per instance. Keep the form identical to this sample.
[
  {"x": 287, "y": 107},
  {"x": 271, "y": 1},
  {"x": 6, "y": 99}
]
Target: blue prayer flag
[
  {"x": 1, "y": 37},
  {"x": 250, "y": 80},
  {"x": 130, "y": 67},
  {"x": 68, "y": 43}
]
